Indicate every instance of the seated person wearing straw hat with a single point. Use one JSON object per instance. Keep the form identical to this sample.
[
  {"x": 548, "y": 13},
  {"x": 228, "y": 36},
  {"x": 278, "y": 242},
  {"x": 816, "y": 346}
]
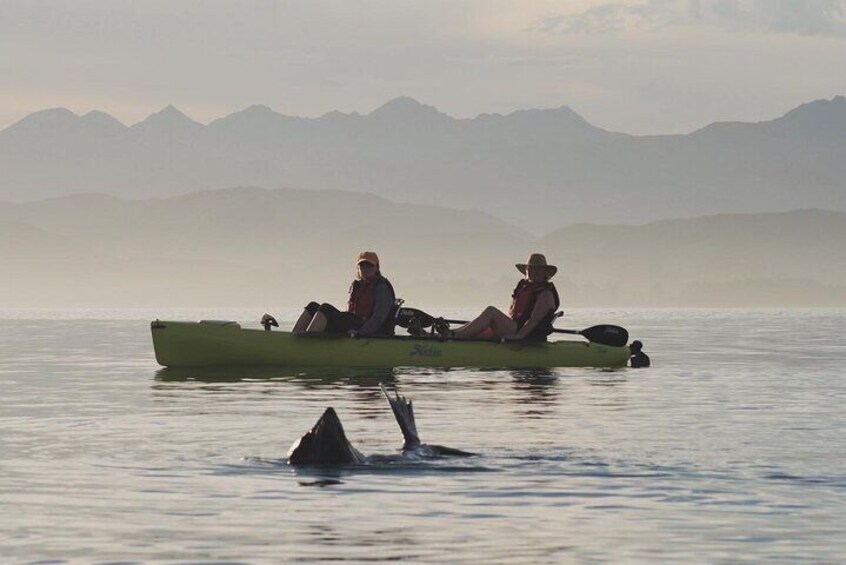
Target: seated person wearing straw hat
[
  {"x": 533, "y": 305},
  {"x": 369, "y": 309}
]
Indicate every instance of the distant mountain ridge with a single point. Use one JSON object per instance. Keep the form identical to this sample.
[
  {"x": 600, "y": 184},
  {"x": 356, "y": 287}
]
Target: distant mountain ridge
[
  {"x": 537, "y": 168},
  {"x": 285, "y": 247}
]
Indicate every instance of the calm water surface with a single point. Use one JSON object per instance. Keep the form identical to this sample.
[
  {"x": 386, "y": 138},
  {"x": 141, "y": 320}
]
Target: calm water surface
[{"x": 730, "y": 449}]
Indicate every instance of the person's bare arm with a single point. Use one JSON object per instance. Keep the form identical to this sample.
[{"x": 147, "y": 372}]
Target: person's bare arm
[{"x": 381, "y": 311}]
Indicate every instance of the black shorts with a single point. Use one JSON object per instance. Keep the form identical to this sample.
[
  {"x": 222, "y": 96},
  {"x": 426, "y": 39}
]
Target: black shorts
[{"x": 337, "y": 322}]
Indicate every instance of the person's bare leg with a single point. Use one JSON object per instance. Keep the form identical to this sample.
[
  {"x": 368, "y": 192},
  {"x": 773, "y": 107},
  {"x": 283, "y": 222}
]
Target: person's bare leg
[
  {"x": 318, "y": 323},
  {"x": 302, "y": 322},
  {"x": 475, "y": 326},
  {"x": 491, "y": 323},
  {"x": 487, "y": 333},
  {"x": 502, "y": 325}
]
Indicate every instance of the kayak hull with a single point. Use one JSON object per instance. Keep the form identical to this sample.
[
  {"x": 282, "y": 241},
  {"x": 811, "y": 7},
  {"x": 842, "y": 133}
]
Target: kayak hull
[{"x": 222, "y": 344}]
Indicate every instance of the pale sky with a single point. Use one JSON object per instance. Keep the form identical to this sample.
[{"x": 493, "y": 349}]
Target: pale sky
[{"x": 637, "y": 66}]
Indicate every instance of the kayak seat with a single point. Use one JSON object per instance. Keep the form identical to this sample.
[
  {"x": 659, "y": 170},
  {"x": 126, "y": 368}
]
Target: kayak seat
[
  {"x": 412, "y": 316},
  {"x": 391, "y": 322},
  {"x": 415, "y": 321},
  {"x": 415, "y": 328}
]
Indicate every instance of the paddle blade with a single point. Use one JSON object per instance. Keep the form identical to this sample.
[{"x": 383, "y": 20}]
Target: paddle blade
[
  {"x": 604, "y": 334},
  {"x": 406, "y": 315}
]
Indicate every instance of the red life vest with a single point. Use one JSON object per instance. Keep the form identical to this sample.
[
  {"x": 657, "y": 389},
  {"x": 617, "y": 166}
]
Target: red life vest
[
  {"x": 363, "y": 296},
  {"x": 525, "y": 296}
]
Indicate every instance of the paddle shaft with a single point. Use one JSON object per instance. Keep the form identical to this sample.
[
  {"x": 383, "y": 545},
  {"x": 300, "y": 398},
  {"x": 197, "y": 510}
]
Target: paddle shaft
[
  {"x": 554, "y": 330},
  {"x": 603, "y": 334}
]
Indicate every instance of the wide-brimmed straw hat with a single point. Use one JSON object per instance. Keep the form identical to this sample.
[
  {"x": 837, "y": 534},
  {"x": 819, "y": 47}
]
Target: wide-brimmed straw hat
[
  {"x": 368, "y": 256},
  {"x": 537, "y": 260}
]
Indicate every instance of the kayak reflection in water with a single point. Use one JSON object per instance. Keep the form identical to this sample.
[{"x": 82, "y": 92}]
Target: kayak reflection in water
[
  {"x": 369, "y": 309},
  {"x": 533, "y": 305},
  {"x": 638, "y": 357}
]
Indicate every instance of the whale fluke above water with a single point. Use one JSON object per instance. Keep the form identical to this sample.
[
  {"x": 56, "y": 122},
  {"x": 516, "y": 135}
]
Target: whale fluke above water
[
  {"x": 404, "y": 413},
  {"x": 327, "y": 444}
]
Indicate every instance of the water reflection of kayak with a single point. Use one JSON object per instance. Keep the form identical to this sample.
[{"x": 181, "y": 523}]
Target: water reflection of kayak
[{"x": 220, "y": 343}]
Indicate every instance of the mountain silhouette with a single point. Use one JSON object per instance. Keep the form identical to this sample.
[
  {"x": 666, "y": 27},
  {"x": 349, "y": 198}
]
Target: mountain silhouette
[
  {"x": 284, "y": 247},
  {"x": 540, "y": 169},
  {"x": 165, "y": 125},
  {"x": 407, "y": 110}
]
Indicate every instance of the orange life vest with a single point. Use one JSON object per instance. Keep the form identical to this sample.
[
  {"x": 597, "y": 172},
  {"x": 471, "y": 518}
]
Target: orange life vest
[
  {"x": 525, "y": 296},
  {"x": 363, "y": 296}
]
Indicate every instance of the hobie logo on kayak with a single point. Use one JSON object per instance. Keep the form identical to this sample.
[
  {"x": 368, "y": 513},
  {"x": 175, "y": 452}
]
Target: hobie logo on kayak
[{"x": 424, "y": 351}]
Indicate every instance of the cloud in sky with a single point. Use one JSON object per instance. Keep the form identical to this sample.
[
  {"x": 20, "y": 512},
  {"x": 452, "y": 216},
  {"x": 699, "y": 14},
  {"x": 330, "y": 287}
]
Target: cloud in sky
[
  {"x": 803, "y": 17},
  {"x": 610, "y": 18},
  {"x": 640, "y": 66}
]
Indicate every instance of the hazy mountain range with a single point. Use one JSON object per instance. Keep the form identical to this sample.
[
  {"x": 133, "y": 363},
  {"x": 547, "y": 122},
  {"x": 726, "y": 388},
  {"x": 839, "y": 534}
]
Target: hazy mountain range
[
  {"x": 274, "y": 248},
  {"x": 539, "y": 169}
]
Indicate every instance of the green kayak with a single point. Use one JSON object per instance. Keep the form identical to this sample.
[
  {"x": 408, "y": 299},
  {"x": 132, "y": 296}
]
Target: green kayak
[{"x": 220, "y": 344}]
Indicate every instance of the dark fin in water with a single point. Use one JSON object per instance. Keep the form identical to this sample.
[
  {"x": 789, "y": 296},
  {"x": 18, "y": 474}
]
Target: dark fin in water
[
  {"x": 324, "y": 444},
  {"x": 404, "y": 413}
]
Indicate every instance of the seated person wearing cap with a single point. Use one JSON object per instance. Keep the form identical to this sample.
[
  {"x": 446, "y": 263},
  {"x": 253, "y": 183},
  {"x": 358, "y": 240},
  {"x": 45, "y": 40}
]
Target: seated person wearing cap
[
  {"x": 369, "y": 309},
  {"x": 533, "y": 305}
]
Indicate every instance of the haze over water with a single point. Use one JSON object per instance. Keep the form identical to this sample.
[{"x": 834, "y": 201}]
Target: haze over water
[{"x": 730, "y": 449}]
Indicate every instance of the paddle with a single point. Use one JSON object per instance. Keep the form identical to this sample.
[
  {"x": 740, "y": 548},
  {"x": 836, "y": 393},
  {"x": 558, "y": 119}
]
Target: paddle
[{"x": 603, "y": 334}]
